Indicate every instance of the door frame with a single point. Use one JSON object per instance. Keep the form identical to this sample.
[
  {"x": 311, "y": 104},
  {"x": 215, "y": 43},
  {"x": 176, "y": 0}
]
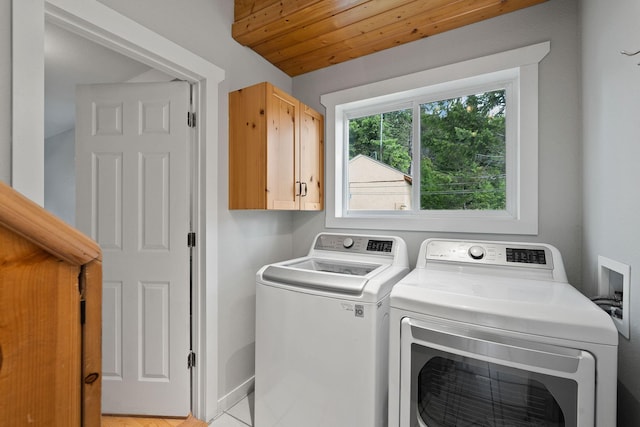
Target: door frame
[{"x": 96, "y": 22}]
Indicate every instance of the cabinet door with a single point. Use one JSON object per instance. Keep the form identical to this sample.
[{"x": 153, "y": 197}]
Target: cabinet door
[
  {"x": 282, "y": 151},
  {"x": 311, "y": 159},
  {"x": 248, "y": 148}
]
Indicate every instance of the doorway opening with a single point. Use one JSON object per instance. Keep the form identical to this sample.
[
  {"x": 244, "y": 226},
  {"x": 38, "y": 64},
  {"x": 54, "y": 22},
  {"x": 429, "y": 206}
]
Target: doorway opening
[{"x": 96, "y": 22}]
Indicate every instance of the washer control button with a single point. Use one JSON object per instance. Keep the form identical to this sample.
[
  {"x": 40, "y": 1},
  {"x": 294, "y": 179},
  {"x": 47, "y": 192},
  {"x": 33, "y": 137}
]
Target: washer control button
[
  {"x": 348, "y": 242},
  {"x": 476, "y": 252}
]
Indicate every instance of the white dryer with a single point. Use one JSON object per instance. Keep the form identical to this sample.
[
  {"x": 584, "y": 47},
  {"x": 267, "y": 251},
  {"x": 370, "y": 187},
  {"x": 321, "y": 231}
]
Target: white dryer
[
  {"x": 322, "y": 333},
  {"x": 491, "y": 334}
]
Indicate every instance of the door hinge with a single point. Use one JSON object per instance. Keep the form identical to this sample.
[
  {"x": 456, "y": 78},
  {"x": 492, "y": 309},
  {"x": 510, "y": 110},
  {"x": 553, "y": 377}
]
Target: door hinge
[
  {"x": 191, "y": 119},
  {"x": 191, "y": 240},
  {"x": 191, "y": 360}
]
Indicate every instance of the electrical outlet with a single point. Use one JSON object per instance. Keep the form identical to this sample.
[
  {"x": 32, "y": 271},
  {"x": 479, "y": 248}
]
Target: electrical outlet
[{"x": 613, "y": 280}]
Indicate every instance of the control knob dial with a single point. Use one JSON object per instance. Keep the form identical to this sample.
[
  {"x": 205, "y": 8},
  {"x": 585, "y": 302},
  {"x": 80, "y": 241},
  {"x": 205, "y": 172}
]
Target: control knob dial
[
  {"x": 476, "y": 252},
  {"x": 347, "y": 242}
]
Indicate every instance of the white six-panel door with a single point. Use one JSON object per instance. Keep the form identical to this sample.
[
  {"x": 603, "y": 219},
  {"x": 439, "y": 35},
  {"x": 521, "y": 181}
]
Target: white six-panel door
[{"x": 132, "y": 168}]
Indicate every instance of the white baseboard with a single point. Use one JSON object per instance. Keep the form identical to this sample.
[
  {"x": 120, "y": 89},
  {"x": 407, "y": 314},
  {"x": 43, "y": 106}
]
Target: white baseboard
[{"x": 236, "y": 395}]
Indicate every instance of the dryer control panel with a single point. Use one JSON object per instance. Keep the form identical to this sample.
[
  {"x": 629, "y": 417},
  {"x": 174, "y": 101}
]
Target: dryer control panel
[{"x": 490, "y": 253}]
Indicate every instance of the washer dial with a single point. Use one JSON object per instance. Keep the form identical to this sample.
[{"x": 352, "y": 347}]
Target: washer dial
[{"x": 476, "y": 252}]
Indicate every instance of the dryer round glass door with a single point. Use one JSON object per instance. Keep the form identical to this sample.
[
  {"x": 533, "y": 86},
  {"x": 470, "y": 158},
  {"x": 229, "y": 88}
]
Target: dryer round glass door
[{"x": 471, "y": 378}]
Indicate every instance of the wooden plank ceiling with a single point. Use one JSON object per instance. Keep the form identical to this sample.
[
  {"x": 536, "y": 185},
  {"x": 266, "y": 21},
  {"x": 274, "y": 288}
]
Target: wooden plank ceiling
[{"x": 299, "y": 36}]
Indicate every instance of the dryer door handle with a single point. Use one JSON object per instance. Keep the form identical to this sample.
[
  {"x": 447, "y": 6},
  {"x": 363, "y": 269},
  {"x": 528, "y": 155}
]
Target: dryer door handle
[{"x": 481, "y": 344}]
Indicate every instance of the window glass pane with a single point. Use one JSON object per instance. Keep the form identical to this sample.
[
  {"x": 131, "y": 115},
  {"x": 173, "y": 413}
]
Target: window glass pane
[
  {"x": 380, "y": 161},
  {"x": 462, "y": 159}
]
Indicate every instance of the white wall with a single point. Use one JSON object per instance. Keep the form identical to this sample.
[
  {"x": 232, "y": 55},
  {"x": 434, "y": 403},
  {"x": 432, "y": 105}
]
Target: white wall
[
  {"x": 247, "y": 239},
  {"x": 611, "y": 129},
  {"x": 60, "y": 176},
  {"x": 559, "y": 148}
]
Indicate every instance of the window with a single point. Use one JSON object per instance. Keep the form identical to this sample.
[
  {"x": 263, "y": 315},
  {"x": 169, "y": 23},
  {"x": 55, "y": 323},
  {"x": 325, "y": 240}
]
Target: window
[
  {"x": 459, "y": 161},
  {"x": 380, "y": 161},
  {"x": 449, "y": 149}
]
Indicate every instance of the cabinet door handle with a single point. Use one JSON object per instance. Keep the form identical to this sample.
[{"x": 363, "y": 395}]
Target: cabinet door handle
[
  {"x": 299, "y": 188},
  {"x": 302, "y": 194}
]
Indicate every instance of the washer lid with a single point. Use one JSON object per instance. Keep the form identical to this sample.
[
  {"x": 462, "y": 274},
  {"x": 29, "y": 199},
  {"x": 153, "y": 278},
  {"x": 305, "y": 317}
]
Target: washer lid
[
  {"x": 545, "y": 308},
  {"x": 323, "y": 274}
]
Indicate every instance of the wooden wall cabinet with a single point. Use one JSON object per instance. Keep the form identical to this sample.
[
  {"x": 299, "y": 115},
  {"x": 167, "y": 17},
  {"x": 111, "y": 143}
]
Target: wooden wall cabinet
[
  {"x": 276, "y": 151},
  {"x": 50, "y": 319}
]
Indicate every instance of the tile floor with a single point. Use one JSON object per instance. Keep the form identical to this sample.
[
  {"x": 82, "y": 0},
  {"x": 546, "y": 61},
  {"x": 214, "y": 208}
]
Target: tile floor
[{"x": 240, "y": 415}]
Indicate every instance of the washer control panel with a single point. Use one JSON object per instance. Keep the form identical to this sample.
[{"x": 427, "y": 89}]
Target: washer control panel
[
  {"x": 491, "y": 253},
  {"x": 355, "y": 244}
]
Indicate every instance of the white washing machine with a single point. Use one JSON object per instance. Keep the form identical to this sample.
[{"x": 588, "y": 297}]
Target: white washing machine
[
  {"x": 322, "y": 333},
  {"x": 491, "y": 334}
]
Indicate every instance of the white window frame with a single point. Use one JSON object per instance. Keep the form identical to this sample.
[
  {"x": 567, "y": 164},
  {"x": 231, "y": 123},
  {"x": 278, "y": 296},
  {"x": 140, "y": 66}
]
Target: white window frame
[{"x": 516, "y": 69}]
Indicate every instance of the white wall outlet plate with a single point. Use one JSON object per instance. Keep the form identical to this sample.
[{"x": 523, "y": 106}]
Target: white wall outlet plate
[{"x": 615, "y": 277}]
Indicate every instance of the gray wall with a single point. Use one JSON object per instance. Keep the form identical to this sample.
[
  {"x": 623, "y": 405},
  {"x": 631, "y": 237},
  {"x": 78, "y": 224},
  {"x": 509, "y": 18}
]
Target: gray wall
[
  {"x": 5, "y": 91},
  {"x": 60, "y": 176},
  {"x": 611, "y": 129},
  {"x": 560, "y": 190}
]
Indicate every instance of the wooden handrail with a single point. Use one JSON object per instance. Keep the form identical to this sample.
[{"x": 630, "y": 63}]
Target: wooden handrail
[{"x": 34, "y": 223}]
